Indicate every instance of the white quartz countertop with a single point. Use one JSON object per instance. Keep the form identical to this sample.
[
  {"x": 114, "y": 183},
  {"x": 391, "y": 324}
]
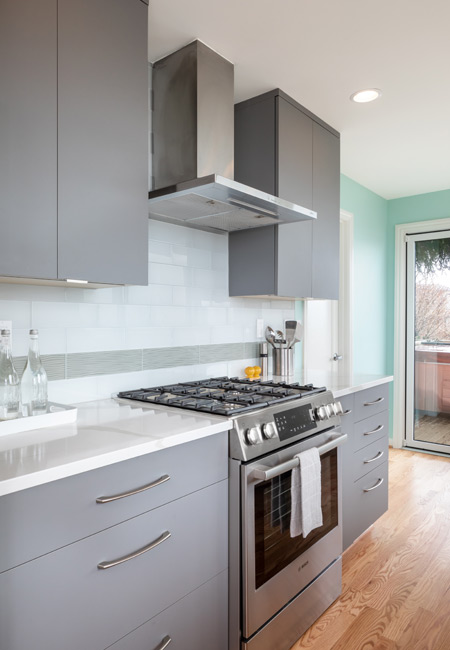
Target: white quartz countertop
[
  {"x": 106, "y": 432},
  {"x": 339, "y": 383},
  {"x": 344, "y": 383}
]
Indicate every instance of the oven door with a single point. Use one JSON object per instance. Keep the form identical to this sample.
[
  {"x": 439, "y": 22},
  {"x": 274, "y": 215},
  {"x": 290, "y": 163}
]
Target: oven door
[{"x": 276, "y": 567}]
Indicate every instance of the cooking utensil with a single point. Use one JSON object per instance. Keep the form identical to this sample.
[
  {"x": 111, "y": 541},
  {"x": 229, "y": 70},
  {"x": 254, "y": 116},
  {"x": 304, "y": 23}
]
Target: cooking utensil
[
  {"x": 270, "y": 336},
  {"x": 298, "y": 334},
  {"x": 290, "y": 326}
]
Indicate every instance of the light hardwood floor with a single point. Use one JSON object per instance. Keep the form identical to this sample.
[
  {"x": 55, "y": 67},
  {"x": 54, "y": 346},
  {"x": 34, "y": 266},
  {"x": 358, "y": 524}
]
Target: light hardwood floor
[{"x": 396, "y": 577}]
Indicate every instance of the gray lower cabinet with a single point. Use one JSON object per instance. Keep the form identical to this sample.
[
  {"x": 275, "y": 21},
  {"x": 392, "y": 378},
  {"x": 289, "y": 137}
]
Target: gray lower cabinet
[
  {"x": 365, "y": 459},
  {"x": 55, "y": 514},
  {"x": 196, "y": 622},
  {"x": 125, "y": 580},
  {"x": 73, "y": 140},
  {"x": 283, "y": 149}
]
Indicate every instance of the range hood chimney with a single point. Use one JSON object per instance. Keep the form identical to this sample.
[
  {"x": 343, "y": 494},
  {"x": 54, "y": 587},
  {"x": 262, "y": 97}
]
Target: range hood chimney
[{"x": 193, "y": 149}]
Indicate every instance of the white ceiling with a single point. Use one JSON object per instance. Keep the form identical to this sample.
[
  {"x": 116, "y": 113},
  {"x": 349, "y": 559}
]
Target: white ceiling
[{"x": 320, "y": 52}]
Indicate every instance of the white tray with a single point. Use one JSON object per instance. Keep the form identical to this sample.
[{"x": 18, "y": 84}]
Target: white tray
[{"x": 56, "y": 414}]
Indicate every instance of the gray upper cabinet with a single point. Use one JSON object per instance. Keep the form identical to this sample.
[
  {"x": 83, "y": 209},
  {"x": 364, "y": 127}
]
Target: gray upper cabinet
[
  {"x": 281, "y": 147},
  {"x": 102, "y": 141},
  {"x": 74, "y": 135},
  {"x": 28, "y": 171}
]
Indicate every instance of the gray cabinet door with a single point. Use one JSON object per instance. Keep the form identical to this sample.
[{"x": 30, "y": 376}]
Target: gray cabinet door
[
  {"x": 326, "y": 197},
  {"x": 295, "y": 154},
  {"x": 63, "y": 601},
  {"x": 305, "y": 170},
  {"x": 102, "y": 141},
  {"x": 28, "y": 105},
  {"x": 44, "y": 518},
  {"x": 198, "y": 621}
]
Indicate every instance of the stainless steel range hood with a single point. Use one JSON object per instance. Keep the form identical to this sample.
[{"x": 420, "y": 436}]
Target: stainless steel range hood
[{"x": 193, "y": 149}]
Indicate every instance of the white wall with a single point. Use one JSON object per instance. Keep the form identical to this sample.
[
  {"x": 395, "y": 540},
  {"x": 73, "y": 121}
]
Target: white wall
[{"x": 185, "y": 303}]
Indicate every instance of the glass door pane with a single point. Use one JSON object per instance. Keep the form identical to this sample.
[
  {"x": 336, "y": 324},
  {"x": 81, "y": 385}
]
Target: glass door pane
[{"x": 428, "y": 345}]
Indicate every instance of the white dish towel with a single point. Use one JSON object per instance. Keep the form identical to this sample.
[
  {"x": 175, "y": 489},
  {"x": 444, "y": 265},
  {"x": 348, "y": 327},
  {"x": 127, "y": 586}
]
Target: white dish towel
[{"x": 306, "y": 493}]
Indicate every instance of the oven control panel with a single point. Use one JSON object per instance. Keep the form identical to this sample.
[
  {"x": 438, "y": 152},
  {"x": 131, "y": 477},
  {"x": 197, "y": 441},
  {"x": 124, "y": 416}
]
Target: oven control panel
[
  {"x": 294, "y": 421},
  {"x": 264, "y": 431}
]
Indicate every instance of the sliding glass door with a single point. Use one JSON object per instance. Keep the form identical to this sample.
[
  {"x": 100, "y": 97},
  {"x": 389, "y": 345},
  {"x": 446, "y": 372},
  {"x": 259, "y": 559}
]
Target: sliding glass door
[{"x": 428, "y": 342}]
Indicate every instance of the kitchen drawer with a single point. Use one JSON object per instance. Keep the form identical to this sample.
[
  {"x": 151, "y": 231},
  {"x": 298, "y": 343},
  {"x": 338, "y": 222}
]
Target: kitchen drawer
[
  {"x": 55, "y": 514},
  {"x": 363, "y": 508},
  {"x": 371, "y": 401},
  {"x": 62, "y": 600},
  {"x": 198, "y": 621},
  {"x": 370, "y": 429},
  {"x": 368, "y": 458}
]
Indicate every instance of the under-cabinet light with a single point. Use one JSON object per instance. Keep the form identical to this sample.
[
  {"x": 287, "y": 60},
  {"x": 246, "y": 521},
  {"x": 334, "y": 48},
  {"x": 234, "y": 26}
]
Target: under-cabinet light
[{"x": 77, "y": 281}]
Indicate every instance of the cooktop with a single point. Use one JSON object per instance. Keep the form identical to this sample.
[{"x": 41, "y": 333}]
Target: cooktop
[{"x": 222, "y": 395}]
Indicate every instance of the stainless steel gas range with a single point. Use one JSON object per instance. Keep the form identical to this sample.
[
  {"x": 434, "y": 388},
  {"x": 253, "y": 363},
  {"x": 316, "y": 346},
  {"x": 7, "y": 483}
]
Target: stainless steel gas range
[{"x": 279, "y": 585}]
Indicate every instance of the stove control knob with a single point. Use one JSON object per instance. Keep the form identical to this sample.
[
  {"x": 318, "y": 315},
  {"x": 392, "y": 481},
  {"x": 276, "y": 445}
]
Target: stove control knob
[
  {"x": 252, "y": 436},
  {"x": 330, "y": 411},
  {"x": 321, "y": 413},
  {"x": 269, "y": 430},
  {"x": 338, "y": 408}
]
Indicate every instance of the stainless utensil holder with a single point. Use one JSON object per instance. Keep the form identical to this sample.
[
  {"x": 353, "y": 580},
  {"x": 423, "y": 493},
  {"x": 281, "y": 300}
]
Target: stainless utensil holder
[{"x": 283, "y": 361}]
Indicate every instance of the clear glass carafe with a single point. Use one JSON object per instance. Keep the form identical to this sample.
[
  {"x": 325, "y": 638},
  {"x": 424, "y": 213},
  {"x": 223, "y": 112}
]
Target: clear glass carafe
[
  {"x": 9, "y": 380},
  {"x": 34, "y": 380}
]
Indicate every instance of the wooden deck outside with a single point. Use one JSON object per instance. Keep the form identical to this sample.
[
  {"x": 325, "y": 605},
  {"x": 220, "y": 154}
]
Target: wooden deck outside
[{"x": 396, "y": 577}]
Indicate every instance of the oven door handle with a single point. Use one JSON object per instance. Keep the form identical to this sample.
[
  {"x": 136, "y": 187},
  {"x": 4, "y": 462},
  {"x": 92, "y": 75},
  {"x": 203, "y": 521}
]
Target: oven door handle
[{"x": 266, "y": 473}]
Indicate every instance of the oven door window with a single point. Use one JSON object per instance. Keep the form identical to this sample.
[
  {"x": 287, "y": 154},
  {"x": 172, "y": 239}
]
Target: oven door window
[{"x": 274, "y": 547}]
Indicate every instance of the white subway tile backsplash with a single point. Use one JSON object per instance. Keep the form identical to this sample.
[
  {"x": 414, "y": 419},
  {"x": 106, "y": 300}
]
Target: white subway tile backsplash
[
  {"x": 154, "y": 294},
  {"x": 186, "y": 303},
  {"x": 97, "y": 339},
  {"x": 136, "y": 338},
  {"x": 169, "y": 274},
  {"x": 139, "y": 315},
  {"x": 159, "y": 252},
  {"x": 16, "y": 311}
]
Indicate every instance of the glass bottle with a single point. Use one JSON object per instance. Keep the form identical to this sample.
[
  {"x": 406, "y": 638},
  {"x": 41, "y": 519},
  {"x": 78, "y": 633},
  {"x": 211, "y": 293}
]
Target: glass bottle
[
  {"x": 34, "y": 380},
  {"x": 9, "y": 380}
]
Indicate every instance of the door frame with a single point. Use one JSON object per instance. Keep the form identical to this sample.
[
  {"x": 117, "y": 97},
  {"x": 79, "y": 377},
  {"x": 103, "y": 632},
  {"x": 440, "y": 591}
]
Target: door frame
[
  {"x": 400, "y": 307},
  {"x": 342, "y": 309}
]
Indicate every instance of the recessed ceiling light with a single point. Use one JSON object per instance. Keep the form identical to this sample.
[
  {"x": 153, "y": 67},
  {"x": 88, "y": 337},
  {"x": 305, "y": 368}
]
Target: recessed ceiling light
[{"x": 363, "y": 96}]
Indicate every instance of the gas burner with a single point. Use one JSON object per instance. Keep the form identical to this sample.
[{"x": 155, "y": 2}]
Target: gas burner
[{"x": 223, "y": 395}]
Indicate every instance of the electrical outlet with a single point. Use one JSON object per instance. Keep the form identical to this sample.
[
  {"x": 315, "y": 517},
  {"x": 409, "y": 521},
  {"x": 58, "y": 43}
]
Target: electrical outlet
[{"x": 259, "y": 328}]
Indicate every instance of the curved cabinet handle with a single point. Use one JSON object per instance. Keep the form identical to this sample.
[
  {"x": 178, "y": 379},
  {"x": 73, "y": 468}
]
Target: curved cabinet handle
[
  {"x": 377, "y": 485},
  {"x": 379, "y": 455},
  {"x": 114, "y": 497},
  {"x": 376, "y": 401},
  {"x": 125, "y": 558},
  {"x": 164, "y": 643},
  {"x": 347, "y": 412},
  {"x": 379, "y": 428}
]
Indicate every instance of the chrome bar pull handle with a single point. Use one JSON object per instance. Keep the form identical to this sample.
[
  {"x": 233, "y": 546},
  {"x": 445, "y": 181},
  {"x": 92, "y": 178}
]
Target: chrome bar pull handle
[
  {"x": 376, "y": 401},
  {"x": 379, "y": 455},
  {"x": 266, "y": 473},
  {"x": 164, "y": 643},
  {"x": 131, "y": 556},
  {"x": 379, "y": 428},
  {"x": 377, "y": 485},
  {"x": 114, "y": 497}
]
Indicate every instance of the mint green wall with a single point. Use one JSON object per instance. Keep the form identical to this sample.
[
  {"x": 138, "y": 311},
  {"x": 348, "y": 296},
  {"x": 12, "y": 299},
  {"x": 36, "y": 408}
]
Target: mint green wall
[
  {"x": 422, "y": 207},
  {"x": 370, "y": 275}
]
